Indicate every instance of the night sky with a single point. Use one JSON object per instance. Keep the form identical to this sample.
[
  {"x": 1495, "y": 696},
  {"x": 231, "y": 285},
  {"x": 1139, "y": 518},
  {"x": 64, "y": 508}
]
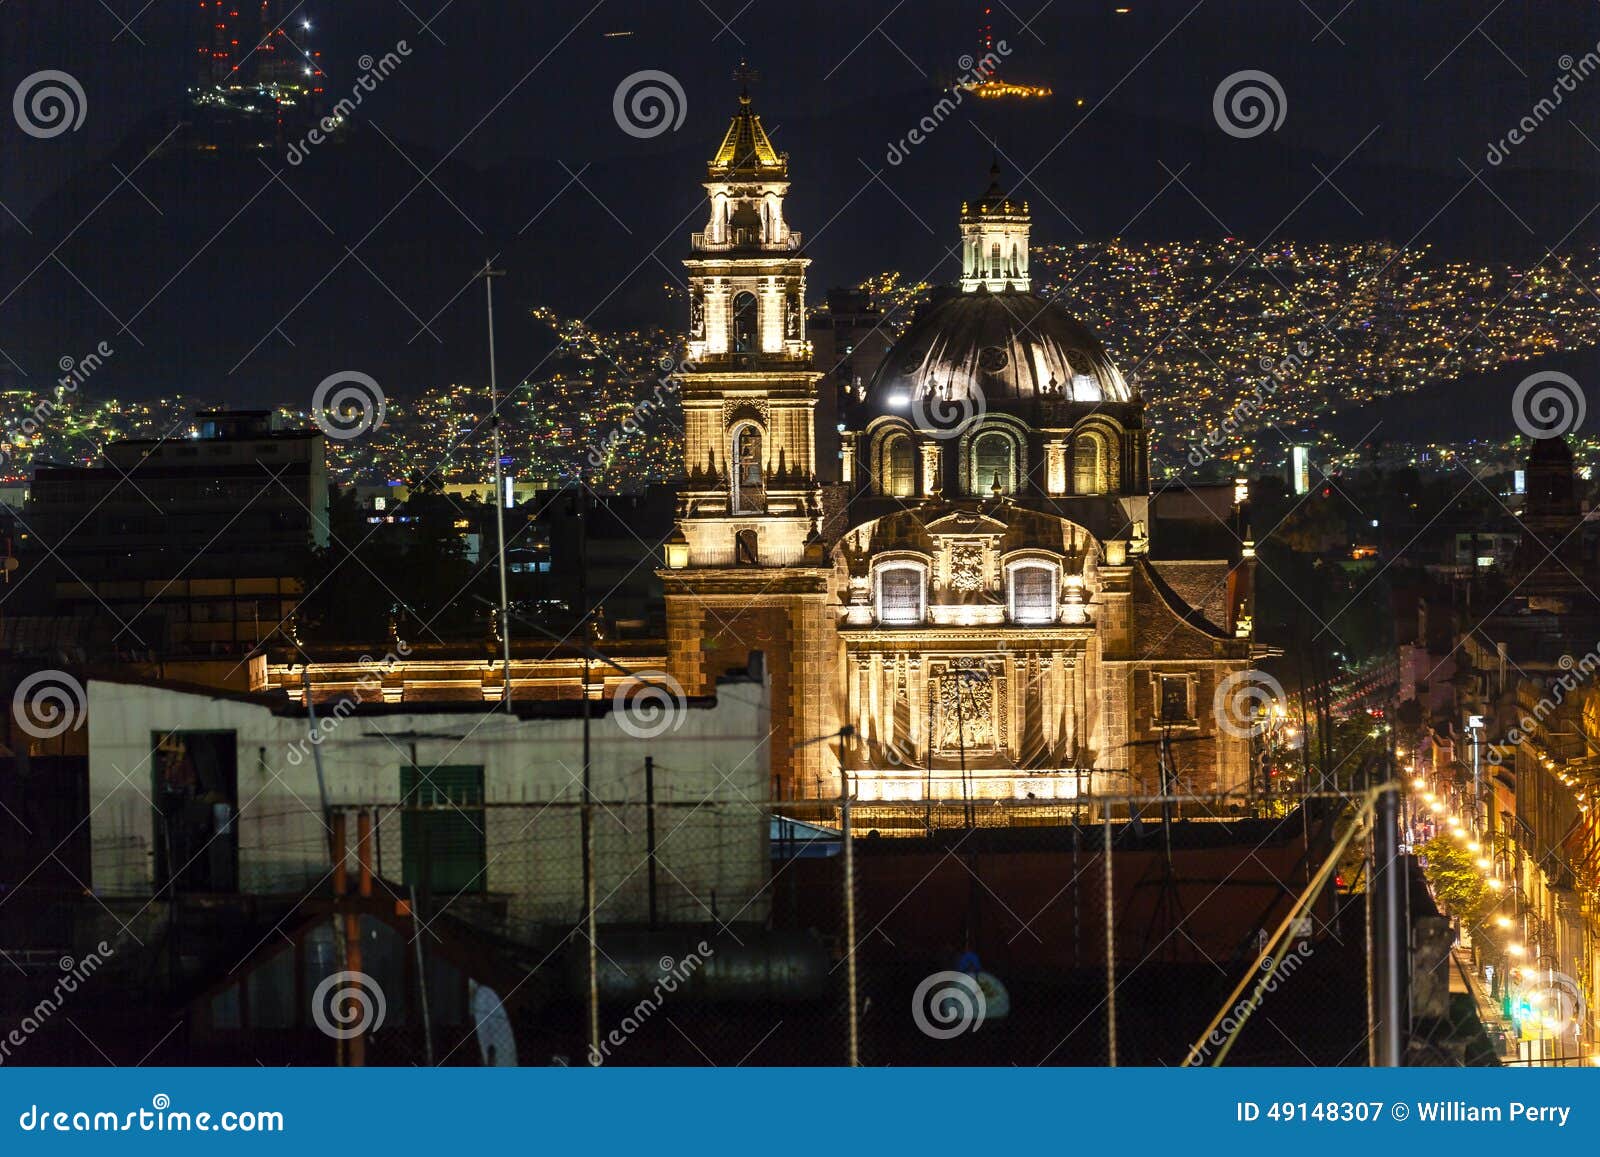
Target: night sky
[
  {"x": 503, "y": 105},
  {"x": 551, "y": 71}
]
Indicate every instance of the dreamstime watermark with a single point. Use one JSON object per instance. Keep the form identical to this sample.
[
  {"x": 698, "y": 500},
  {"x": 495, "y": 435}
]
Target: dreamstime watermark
[
  {"x": 1558, "y": 1000},
  {"x": 1244, "y": 701},
  {"x": 373, "y": 671},
  {"x": 1247, "y": 408},
  {"x": 649, "y": 704},
  {"x": 973, "y": 73},
  {"x": 668, "y": 384},
  {"x": 949, "y": 411},
  {"x": 1241, "y": 1012},
  {"x": 648, "y": 103},
  {"x": 347, "y": 1004},
  {"x": 159, "y": 1118},
  {"x": 49, "y": 103},
  {"x": 1249, "y": 103},
  {"x": 348, "y": 404},
  {"x": 74, "y": 372},
  {"x": 1549, "y": 404},
  {"x": 947, "y": 1004},
  {"x": 73, "y": 974},
  {"x": 372, "y": 73},
  {"x": 1575, "y": 673},
  {"x": 49, "y": 703},
  {"x": 671, "y": 973},
  {"x": 1572, "y": 73}
]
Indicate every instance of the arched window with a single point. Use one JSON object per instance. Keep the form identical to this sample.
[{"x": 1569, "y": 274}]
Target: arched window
[
  {"x": 745, "y": 334},
  {"x": 992, "y": 464},
  {"x": 899, "y": 477},
  {"x": 901, "y": 593},
  {"x": 1033, "y": 593},
  {"x": 746, "y": 548},
  {"x": 994, "y": 259},
  {"x": 748, "y": 477},
  {"x": 1088, "y": 464}
]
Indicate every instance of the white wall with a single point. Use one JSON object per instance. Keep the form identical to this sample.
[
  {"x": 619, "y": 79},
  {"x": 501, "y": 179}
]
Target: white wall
[{"x": 712, "y": 846}]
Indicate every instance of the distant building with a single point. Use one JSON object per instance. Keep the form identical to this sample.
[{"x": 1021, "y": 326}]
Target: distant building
[
  {"x": 1300, "y": 469},
  {"x": 600, "y": 553},
  {"x": 849, "y": 340},
  {"x": 184, "y": 545},
  {"x": 1484, "y": 549},
  {"x": 1551, "y": 562}
]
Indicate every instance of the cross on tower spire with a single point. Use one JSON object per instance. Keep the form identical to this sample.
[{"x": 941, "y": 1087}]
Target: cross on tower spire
[{"x": 745, "y": 76}]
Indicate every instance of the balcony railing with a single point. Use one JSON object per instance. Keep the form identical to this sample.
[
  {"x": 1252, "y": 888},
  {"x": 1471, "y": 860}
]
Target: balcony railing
[{"x": 699, "y": 241}]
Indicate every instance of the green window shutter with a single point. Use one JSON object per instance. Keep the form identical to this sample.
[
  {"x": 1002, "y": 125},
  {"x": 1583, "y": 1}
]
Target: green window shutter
[{"x": 443, "y": 848}]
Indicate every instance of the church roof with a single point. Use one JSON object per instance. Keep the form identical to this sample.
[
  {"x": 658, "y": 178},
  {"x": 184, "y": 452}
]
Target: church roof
[
  {"x": 1013, "y": 346},
  {"x": 994, "y": 202},
  {"x": 747, "y": 150}
]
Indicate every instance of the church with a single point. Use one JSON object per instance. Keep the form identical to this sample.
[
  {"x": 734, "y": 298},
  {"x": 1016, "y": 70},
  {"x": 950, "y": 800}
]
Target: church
[{"x": 972, "y": 604}]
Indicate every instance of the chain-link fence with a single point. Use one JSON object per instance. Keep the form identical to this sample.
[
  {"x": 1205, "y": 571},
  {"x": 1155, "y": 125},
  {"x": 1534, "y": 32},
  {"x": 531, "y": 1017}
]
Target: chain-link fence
[{"x": 728, "y": 931}]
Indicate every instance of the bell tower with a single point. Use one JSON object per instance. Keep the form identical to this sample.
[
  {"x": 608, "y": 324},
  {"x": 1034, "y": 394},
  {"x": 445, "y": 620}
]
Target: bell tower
[
  {"x": 994, "y": 241},
  {"x": 748, "y": 388},
  {"x": 745, "y": 568}
]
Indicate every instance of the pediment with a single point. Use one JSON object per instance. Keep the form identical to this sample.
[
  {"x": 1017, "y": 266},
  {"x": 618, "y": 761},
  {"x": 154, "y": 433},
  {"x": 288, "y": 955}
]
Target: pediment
[{"x": 966, "y": 522}]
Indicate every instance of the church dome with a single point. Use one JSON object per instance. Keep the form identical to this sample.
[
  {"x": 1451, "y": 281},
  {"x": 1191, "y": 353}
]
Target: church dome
[{"x": 1015, "y": 346}]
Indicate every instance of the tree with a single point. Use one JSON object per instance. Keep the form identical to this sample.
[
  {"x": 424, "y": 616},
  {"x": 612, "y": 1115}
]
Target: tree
[{"x": 1456, "y": 882}]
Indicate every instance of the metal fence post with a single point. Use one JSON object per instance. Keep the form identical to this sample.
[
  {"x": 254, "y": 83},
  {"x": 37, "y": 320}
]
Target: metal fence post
[
  {"x": 848, "y": 861},
  {"x": 1111, "y": 949}
]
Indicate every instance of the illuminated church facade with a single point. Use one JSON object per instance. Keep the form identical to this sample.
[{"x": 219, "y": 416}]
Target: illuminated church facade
[{"x": 973, "y": 593}]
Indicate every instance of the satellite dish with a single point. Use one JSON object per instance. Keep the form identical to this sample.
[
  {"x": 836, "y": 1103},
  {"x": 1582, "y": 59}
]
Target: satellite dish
[
  {"x": 496, "y": 1043},
  {"x": 997, "y": 1001}
]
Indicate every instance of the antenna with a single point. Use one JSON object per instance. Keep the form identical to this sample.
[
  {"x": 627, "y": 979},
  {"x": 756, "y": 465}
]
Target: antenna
[{"x": 489, "y": 273}]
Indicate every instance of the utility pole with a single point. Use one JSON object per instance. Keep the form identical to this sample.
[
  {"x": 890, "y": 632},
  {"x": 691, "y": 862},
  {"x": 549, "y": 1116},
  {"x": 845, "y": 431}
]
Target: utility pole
[
  {"x": 1388, "y": 887},
  {"x": 489, "y": 273},
  {"x": 586, "y": 814}
]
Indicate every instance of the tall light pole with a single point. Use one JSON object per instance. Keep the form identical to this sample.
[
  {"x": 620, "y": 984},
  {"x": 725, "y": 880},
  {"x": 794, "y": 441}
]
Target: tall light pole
[{"x": 489, "y": 273}]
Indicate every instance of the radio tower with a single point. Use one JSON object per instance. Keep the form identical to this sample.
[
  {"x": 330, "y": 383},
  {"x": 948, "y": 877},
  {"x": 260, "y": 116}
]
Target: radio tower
[{"x": 986, "y": 82}]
